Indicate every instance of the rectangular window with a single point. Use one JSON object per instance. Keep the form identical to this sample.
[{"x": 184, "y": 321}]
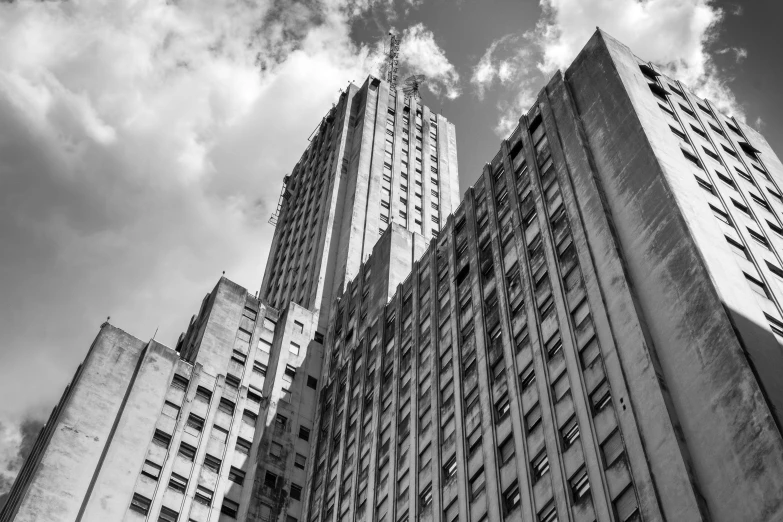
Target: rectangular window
[
  {"x": 477, "y": 483},
  {"x": 299, "y": 461},
  {"x": 304, "y": 433},
  {"x": 151, "y": 470},
  {"x": 601, "y": 397},
  {"x": 450, "y": 468},
  {"x": 179, "y": 382},
  {"x": 506, "y": 450},
  {"x": 570, "y": 432},
  {"x": 294, "y": 349},
  {"x": 178, "y": 483},
  {"x": 511, "y": 498},
  {"x": 721, "y": 215},
  {"x": 187, "y": 451},
  {"x": 194, "y": 425},
  {"x": 757, "y": 286},
  {"x": 580, "y": 484},
  {"x": 161, "y": 439},
  {"x": 232, "y": 380},
  {"x": 692, "y": 158},
  {"x": 239, "y": 357},
  {"x": 204, "y": 495},
  {"x": 140, "y": 504},
  {"x": 738, "y": 248},
  {"x": 758, "y": 238},
  {"x": 226, "y": 406},
  {"x": 243, "y": 445},
  {"x": 540, "y": 466},
  {"x": 296, "y": 491},
  {"x": 212, "y": 463},
  {"x": 425, "y": 499},
  {"x": 229, "y": 508}
]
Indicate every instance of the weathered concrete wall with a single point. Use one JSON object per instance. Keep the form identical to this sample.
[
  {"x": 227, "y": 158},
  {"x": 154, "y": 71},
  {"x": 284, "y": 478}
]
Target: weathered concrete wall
[
  {"x": 664, "y": 230},
  {"x": 58, "y": 488}
]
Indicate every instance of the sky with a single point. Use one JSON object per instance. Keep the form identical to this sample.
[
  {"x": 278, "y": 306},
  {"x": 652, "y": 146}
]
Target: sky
[{"x": 143, "y": 142}]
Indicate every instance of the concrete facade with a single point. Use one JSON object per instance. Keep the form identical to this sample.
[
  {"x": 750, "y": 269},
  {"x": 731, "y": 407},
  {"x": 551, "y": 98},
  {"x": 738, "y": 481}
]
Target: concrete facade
[{"x": 595, "y": 334}]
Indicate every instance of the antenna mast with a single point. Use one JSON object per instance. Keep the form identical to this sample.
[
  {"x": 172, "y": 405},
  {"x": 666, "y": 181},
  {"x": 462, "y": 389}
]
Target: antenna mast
[{"x": 392, "y": 61}]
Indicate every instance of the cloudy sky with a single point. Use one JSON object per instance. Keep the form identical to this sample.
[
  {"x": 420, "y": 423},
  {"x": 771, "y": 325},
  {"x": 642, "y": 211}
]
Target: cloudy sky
[{"x": 143, "y": 142}]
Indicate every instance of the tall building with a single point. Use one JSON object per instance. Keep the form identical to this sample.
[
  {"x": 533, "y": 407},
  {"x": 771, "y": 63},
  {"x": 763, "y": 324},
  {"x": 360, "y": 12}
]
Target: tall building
[
  {"x": 593, "y": 334},
  {"x": 219, "y": 427}
]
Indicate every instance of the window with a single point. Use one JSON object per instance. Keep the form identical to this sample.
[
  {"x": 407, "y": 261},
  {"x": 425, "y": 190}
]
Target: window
[
  {"x": 502, "y": 408},
  {"x": 140, "y": 504},
  {"x": 692, "y": 158},
  {"x": 269, "y": 324},
  {"x": 170, "y": 409},
  {"x": 229, "y": 508},
  {"x": 776, "y": 229},
  {"x": 204, "y": 495},
  {"x": 737, "y": 248},
  {"x": 511, "y": 497},
  {"x": 477, "y": 482},
  {"x": 264, "y": 346},
  {"x": 625, "y": 505},
  {"x": 276, "y": 450},
  {"x": 679, "y": 134},
  {"x": 151, "y": 470},
  {"x": 721, "y": 215},
  {"x": 548, "y": 514},
  {"x": 474, "y": 439},
  {"x": 601, "y": 397},
  {"x": 304, "y": 433},
  {"x": 203, "y": 394},
  {"x": 742, "y": 208},
  {"x": 570, "y": 432},
  {"x": 540, "y": 466},
  {"x": 187, "y": 451},
  {"x": 758, "y": 238},
  {"x": 243, "y": 445},
  {"x": 249, "y": 417},
  {"x": 533, "y": 417},
  {"x": 219, "y": 433},
  {"x": 757, "y": 286},
  {"x": 706, "y": 185},
  {"x": 299, "y": 461},
  {"x": 212, "y": 463},
  {"x": 195, "y": 425},
  {"x": 294, "y": 348},
  {"x": 425, "y": 498},
  {"x": 527, "y": 377},
  {"x": 232, "y": 380},
  {"x": 254, "y": 394},
  {"x": 178, "y": 483},
  {"x": 249, "y": 313},
  {"x": 239, "y": 357},
  {"x": 580, "y": 484},
  {"x": 312, "y": 382},
  {"x": 179, "y": 382},
  {"x": 296, "y": 491},
  {"x": 554, "y": 345},
  {"x": 712, "y": 154},
  {"x": 260, "y": 368},
  {"x": 167, "y": 515},
  {"x": 161, "y": 439},
  {"x": 270, "y": 480},
  {"x": 506, "y": 450},
  {"x": 289, "y": 374},
  {"x": 226, "y": 406},
  {"x": 612, "y": 448}
]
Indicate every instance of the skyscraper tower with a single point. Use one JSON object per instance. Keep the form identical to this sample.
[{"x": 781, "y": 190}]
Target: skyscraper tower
[
  {"x": 376, "y": 158},
  {"x": 593, "y": 334}
]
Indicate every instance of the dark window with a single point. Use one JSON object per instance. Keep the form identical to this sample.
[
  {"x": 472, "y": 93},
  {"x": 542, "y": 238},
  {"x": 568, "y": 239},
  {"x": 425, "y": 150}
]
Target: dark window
[
  {"x": 270, "y": 479},
  {"x": 691, "y": 157},
  {"x": 161, "y": 439},
  {"x": 450, "y": 468},
  {"x": 167, "y": 515},
  {"x": 178, "y": 483},
  {"x": 226, "y": 406},
  {"x": 506, "y": 450},
  {"x": 243, "y": 445},
  {"x": 540, "y": 466},
  {"x": 601, "y": 396},
  {"x": 151, "y": 470},
  {"x": 140, "y": 504},
  {"x": 296, "y": 492},
  {"x": 312, "y": 382},
  {"x": 179, "y": 382},
  {"x": 204, "y": 495},
  {"x": 229, "y": 508},
  {"x": 304, "y": 433},
  {"x": 212, "y": 463},
  {"x": 511, "y": 497},
  {"x": 580, "y": 484},
  {"x": 570, "y": 432},
  {"x": 232, "y": 380},
  {"x": 203, "y": 394},
  {"x": 187, "y": 451}
]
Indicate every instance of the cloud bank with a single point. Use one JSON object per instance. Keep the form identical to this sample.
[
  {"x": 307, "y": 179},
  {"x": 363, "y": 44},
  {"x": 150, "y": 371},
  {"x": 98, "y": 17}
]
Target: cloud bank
[{"x": 678, "y": 35}]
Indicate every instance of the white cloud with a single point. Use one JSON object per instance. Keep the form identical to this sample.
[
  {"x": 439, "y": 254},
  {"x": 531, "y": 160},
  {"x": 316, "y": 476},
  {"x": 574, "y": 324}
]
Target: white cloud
[
  {"x": 679, "y": 35},
  {"x": 142, "y": 150},
  {"x": 676, "y": 34},
  {"x": 420, "y": 54}
]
